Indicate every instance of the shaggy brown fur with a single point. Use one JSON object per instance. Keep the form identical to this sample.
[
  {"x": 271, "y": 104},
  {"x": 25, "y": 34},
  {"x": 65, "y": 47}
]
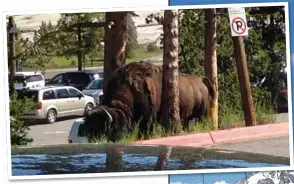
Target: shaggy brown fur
[{"x": 134, "y": 93}]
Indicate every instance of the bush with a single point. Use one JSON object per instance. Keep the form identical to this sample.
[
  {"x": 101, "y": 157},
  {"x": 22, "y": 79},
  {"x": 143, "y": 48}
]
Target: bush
[
  {"x": 73, "y": 63},
  {"x": 18, "y": 128},
  {"x": 151, "y": 47}
]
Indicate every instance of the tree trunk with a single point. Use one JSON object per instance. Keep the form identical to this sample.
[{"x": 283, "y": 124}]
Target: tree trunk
[
  {"x": 211, "y": 61},
  {"x": 164, "y": 154},
  {"x": 170, "y": 85},
  {"x": 114, "y": 43},
  {"x": 80, "y": 54},
  {"x": 12, "y": 54},
  {"x": 114, "y": 160}
]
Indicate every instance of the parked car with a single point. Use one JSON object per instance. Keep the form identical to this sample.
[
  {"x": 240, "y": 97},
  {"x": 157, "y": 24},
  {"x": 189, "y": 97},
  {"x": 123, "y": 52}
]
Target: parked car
[
  {"x": 77, "y": 79},
  {"x": 95, "y": 89},
  {"x": 57, "y": 101},
  {"x": 28, "y": 80},
  {"x": 77, "y": 132},
  {"x": 112, "y": 158}
]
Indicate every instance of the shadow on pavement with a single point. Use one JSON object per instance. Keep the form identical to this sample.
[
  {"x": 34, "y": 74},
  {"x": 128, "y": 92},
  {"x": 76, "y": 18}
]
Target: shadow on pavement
[{"x": 43, "y": 122}]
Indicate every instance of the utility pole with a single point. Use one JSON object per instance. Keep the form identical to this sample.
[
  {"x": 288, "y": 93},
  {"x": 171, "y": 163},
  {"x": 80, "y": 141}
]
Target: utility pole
[
  {"x": 247, "y": 102},
  {"x": 239, "y": 29},
  {"x": 11, "y": 57}
]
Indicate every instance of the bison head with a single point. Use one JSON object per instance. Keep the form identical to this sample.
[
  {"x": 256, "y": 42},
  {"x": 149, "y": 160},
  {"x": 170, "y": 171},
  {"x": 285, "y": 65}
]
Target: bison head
[{"x": 109, "y": 121}]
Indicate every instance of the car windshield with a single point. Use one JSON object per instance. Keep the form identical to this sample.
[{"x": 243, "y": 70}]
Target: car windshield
[{"x": 96, "y": 84}]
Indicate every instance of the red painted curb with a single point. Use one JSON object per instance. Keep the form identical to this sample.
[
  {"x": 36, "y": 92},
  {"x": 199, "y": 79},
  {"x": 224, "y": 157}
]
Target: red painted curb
[
  {"x": 246, "y": 133},
  {"x": 222, "y": 136}
]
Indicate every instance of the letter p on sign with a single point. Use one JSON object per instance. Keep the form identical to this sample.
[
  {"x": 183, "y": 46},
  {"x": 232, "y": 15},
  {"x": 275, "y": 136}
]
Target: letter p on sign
[{"x": 238, "y": 22}]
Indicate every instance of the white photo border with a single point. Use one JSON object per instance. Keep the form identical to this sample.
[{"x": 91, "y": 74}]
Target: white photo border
[{"x": 144, "y": 173}]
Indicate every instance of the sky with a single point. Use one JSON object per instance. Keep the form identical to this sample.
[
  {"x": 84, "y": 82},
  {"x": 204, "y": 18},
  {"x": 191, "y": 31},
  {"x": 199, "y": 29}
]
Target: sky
[{"x": 212, "y": 178}]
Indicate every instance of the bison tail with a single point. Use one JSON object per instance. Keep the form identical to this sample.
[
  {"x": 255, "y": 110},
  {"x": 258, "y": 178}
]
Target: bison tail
[{"x": 208, "y": 84}]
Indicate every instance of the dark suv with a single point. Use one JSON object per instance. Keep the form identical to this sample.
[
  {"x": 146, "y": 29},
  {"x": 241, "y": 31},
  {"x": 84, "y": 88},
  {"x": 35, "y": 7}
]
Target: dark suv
[{"x": 77, "y": 79}]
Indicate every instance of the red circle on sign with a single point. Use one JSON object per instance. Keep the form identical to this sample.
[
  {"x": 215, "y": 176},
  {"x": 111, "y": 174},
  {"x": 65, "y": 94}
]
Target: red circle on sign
[{"x": 234, "y": 20}]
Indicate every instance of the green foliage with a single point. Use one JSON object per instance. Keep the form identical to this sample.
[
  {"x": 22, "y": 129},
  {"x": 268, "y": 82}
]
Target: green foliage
[
  {"x": 18, "y": 129},
  {"x": 67, "y": 39},
  {"x": 30, "y": 54},
  {"x": 151, "y": 47},
  {"x": 265, "y": 49},
  {"x": 132, "y": 36},
  {"x": 62, "y": 40},
  {"x": 191, "y": 50}
]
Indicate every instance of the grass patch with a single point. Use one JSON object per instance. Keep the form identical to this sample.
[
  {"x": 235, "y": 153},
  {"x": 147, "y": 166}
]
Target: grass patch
[
  {"x": 200, "y": 127},
  {"x": 142, "y": 53},
  {"x": 58, "y": 62},
  {"x": 102, "y": 139},
  {"x": 231, "y": 118},
  {"x": 265, "y": 114}
]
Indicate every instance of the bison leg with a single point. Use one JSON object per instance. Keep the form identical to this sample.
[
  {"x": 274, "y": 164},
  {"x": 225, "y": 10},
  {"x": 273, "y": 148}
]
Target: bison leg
[
  {"x": 185, "y": 122},
  {"x": 186, "y": 116},
  {"x": 145, "y": 127}
]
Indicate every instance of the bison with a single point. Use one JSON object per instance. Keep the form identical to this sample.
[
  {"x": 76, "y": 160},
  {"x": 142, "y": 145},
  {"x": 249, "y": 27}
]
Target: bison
[
  {"x": 123, "y": 104},
  {"x": 133, "y": 95}
]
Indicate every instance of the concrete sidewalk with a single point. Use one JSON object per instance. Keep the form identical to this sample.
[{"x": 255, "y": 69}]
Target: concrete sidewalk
[{"x": 223, "y": 136}]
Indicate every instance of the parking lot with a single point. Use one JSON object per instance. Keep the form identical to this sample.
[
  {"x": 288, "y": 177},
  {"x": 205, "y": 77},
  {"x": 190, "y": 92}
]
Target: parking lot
[{"x": 56, "y": 133}]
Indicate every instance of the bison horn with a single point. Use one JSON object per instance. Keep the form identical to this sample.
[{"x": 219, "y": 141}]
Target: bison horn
[{"x": 108, "y": 114}]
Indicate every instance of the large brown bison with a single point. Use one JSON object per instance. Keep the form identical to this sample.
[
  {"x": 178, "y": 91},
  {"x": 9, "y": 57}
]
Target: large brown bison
[
  {"x": 133, "y": 95},
  {"x": 127, "y": 100}
]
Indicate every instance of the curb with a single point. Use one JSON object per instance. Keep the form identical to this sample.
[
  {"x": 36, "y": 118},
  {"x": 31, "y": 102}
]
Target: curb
[{"x": 222, "y": 136}]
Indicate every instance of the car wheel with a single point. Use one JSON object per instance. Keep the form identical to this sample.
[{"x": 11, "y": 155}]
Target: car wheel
[
  {"x": 51, "y": 116},
  {"x": 88, "y": 107}
]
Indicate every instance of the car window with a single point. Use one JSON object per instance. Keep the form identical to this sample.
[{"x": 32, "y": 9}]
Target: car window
[
  {"x": 62, "y": 93},
  {"x": 49, "y": 95},
  {"x": 57, "y": 79},
  {"x": 18, "y": 79},
  {"x": 73, "y": 93},
  {"x": 76, "y": 78},
  {"x": 95, "y": 76},
  {"x": 82, "y": 132},
  {"x": 97, "y": 84},
  {"x": 34, "y": 78}
]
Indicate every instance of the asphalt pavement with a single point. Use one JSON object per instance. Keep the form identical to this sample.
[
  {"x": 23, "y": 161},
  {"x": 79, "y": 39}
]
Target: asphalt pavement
[
  {"x": 48, "y": 134},
  {"x": 277, "y": 146}
]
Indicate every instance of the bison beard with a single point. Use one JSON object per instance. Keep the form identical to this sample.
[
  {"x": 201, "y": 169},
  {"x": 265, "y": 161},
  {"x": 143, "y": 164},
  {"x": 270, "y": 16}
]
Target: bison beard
[{"x": 134, "y": 94}]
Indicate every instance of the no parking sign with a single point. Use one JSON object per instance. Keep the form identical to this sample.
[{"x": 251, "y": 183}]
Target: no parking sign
[{"x": 238, "y": 22}]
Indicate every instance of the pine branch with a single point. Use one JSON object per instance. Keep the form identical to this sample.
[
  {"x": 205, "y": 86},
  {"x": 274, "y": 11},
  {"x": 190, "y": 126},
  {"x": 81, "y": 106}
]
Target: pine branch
[{"x": 71, "y": 28}]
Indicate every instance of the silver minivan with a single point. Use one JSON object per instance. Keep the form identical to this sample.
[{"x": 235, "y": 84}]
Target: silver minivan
[{"x": 57, "y": 101}]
